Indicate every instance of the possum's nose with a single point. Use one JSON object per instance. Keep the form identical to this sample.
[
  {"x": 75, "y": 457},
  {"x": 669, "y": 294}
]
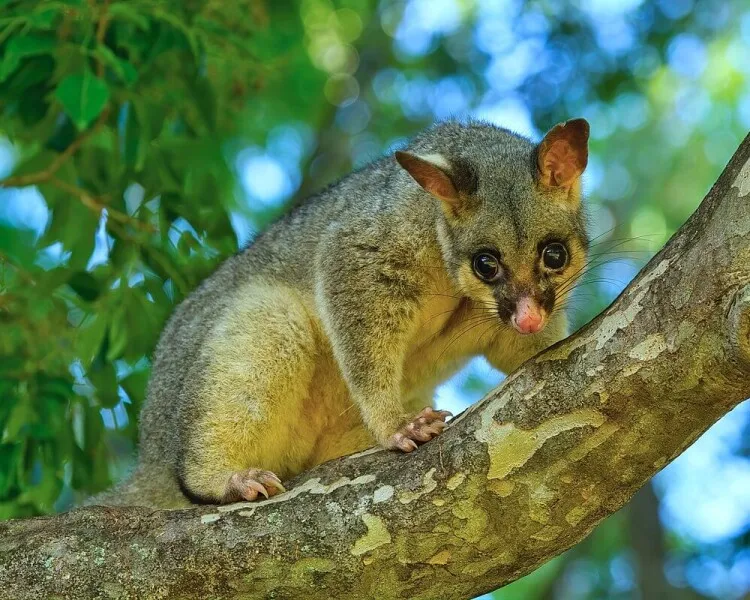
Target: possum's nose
[{"x": 528, "y": 317}]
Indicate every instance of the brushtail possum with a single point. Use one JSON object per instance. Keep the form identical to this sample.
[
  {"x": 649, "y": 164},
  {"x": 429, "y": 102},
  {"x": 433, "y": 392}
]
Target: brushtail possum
[{"x": 329, "y": 333}]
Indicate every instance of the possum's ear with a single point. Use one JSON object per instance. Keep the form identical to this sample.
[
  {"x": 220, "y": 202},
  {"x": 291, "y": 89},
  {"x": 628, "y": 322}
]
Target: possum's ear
[
  {"x": 563, "y": 154},
  {"x": 431, "y": 171}
]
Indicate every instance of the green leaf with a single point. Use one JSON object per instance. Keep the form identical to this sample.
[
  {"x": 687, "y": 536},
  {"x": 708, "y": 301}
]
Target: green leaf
[
  {"x": 33, "y": 162},
  {"x": 57, "y": 387},
  {"x": 179, "y": 27},
  {"x": 53, "y": 279},
  {"x": 72, "y": 224},
  {"x": 22, "y": 46},
  {"x": 90, "y": 337},
  {"x": 21, "y": 416},
  {"x": 205, "y": 101},
  {"x": 83, "y": 97},
  {"x": 122, "y": 11},
  {"x": 8, "y": 457},
  {"x": 52, "y": 424},
  {"x": 85, "y": 285},
  {"x": 137, "y": 134},
  {"x": 129, "y": 72},
  {"x": 18, "y": 245},
  {"x": 118, "y": 334},
  {"x": 122, "y": 68},
  {"x": 135, "y": 385},
  {"x": 43, "y": 496},
  {"x": 47, "y": 17},
  {"x": 104, "y": 380},
  {"x": 144, "y": 322}
]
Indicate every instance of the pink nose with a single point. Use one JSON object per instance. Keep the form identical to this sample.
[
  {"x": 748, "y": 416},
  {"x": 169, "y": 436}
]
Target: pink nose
[{"x": 528, "y": 317}]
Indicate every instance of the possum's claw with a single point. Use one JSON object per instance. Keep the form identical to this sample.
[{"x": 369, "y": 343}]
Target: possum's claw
[
  {"x": 422, "y": 428},
  {"x": 252, "y": 483}
]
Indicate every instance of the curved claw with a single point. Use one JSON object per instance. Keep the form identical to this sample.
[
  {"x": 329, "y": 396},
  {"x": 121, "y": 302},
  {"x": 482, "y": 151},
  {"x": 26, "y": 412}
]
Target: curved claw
[
  {"x": 272, "y": 483},
  {"x": 407, "y": 445},
  {"x": 251, "y": 484},
  {"x": 435, "y": 415},
  {"x": 422, "y": 428}
]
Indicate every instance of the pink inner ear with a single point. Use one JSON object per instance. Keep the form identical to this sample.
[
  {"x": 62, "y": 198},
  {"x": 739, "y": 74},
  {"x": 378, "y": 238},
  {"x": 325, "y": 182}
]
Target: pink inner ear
[
  {"x": 439, "y": 184},
  {"x": 561, "y": 163},
  {"x": 430, "y": 177}
]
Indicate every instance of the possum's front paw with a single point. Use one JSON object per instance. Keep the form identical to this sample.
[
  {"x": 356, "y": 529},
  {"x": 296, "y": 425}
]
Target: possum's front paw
[
  {"x": 251, "y": 484},
  {"x": 422, "y": 428}
]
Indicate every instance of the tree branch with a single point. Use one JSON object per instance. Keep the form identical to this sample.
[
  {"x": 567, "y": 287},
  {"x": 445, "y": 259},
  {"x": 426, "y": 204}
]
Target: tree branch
[
  {"x": 98, "y": 206},
  {"x": 515, "y": 480},
  {"x": 48, "y": 173}
]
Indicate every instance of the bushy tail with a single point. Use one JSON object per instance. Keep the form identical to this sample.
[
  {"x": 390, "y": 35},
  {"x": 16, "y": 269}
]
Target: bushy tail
[{"x": 153, "y": 486}]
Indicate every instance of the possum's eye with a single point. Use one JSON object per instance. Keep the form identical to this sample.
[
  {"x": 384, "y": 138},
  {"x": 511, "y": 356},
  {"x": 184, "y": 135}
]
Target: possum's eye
[
  {"x": 555, "y": 256},
  {"x": 487, "y": 266}
]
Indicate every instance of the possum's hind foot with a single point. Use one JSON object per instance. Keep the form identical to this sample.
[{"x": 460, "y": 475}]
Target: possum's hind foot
[{"x": 252, "y": 484}]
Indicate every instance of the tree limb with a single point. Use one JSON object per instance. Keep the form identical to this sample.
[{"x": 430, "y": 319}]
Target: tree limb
[
  {"x": 517, "y": 479},
  {"x": 49, "y": 172}
]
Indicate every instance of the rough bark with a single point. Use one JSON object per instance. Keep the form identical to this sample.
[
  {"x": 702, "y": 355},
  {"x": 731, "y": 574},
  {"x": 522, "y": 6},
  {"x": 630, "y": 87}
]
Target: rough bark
[{"x": 520, "y": 477}]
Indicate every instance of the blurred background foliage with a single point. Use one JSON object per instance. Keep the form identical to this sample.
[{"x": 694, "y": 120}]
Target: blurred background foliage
[{"x": 143, "y": 141}]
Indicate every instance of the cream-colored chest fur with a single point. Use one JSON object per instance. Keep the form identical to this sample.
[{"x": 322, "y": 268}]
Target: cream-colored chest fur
[{"x": 446, "y": 337}]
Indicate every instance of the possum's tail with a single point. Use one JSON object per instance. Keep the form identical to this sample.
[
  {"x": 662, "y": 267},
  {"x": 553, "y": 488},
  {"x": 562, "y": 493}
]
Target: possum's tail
[{"x": 153, "y": 486}]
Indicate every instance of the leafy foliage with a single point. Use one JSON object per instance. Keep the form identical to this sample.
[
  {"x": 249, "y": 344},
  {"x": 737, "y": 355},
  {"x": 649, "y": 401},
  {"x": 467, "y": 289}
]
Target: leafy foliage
[{"x": 118, "y": 112}]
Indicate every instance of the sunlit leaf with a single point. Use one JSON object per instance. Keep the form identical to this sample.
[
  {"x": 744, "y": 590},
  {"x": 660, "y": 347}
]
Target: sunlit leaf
[
  {"x": 118, "y": 333},
  {"x": 83, "y": 96},
  {"x": 90, "y": 337}
]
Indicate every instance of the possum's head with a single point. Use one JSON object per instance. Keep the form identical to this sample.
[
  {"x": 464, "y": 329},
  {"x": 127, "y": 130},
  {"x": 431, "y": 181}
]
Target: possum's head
[{"x": 512, "y": 230}]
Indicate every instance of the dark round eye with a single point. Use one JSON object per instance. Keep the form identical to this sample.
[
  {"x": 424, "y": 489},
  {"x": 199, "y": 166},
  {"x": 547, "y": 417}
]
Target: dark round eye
[
  {"x": 555, "y": 256},
  {"x": 486, "y": 266}
]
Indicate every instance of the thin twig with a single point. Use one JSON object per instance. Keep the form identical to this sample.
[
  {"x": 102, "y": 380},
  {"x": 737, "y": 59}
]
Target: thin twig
[
  {"x": 101, "y": 32},
  {"x": 89, "y": 201},
  {"x": 48, "y": 173}
]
